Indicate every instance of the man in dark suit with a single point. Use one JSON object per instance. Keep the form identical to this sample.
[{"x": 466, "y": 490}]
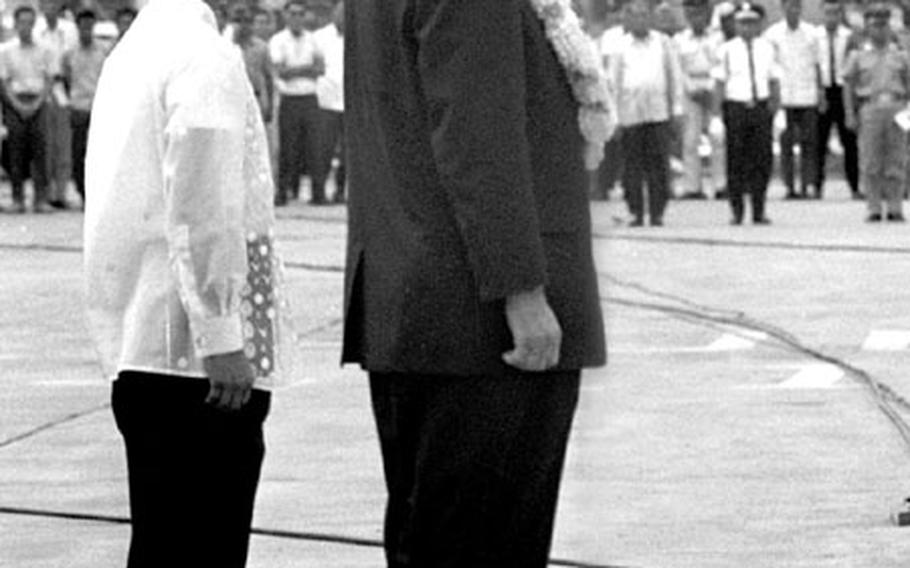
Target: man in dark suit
[{"x": 471, "y": 295}]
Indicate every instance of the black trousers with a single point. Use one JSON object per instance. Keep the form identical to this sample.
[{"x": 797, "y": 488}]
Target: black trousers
[
  {"x": 27, "y": 153},
  {"x": 332, "y": 146},
  {"x": 646, "y": 160},
  {"x": 802, "y": 130},
  {"x": 750, "y": 156},
  {"x": 835, "y": 117},
  {"x": 79, "y": 121},
  {"x": 193, "y": 471},
  {"x": 610, "y": 170},
  {"x": 300, "y": 123},
  {"x": 472, "y": 466}
]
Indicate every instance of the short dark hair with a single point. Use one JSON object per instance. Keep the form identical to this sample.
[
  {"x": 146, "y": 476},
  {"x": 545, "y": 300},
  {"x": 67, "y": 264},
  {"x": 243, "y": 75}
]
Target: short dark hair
[
  {"x": 86, "y": 14},
  {"x": 22, "y": 9}
]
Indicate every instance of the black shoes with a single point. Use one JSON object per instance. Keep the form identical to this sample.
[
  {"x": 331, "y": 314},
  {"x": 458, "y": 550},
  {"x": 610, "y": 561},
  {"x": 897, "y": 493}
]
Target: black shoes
[
  {"x": 874, "y": 218},
  {"x": 637, "y": 222},
  {"x": 761, "y": 221},
  {"x": 896, "y": 217}
]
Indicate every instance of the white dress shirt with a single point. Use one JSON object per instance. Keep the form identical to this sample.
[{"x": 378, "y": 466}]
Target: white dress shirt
[
  {"x": 733, "y": 70},
  {"x": 27, "y": 69},
  {"x": 330, "y": 85},
  {"x": 59, "y": 40},
  {"x": 841, "y": 38},
  {"x": 647, "y": 79},
  {"x": 797, "y": 57},
  {"x": 179, "y": 220},
  {"x": 697, "y": 58},
  {"x": 285, "y": 49}
]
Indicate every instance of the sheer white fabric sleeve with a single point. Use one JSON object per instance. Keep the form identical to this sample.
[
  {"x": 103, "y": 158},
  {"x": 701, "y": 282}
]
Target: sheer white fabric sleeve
[{"x": 204, "y": 197}]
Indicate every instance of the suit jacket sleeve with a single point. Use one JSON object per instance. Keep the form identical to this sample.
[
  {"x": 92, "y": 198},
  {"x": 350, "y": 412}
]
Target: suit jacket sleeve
[{"x": 472, "y": 72}]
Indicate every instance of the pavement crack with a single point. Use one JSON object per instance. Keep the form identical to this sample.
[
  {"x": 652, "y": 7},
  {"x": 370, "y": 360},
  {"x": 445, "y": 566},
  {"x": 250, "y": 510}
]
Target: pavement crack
[
  {"x": 52, "y": 424},
  {"x": 273, "y": 533}
]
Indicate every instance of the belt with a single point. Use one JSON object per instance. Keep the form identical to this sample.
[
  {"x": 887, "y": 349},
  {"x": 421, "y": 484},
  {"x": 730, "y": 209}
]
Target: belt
[
  {"x": 749, "y": 104},
  {"x": 886, "y": 98},
  {"x": 27, "y": 97}
]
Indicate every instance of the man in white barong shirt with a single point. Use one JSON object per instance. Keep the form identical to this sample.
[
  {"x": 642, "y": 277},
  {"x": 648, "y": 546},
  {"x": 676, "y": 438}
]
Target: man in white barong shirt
[{"x": 181, "y": 286}]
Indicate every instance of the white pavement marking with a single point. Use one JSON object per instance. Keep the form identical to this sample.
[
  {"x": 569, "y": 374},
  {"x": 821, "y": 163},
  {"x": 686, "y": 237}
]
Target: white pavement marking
[
  {"x": 815, "y": 376},
  {"x": 887, "y": 340},
  {"x": 73, "y": 383},
  {"x": 739, "y": 341}
]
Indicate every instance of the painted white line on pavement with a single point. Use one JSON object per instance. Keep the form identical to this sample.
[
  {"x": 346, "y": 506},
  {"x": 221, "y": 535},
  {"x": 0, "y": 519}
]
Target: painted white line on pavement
[
  {"x": 737, "y": 341},
  {"x": 72, "y": 383},
  {"x": 815, "y": 376},
  {"x": 887, "y": 340}
]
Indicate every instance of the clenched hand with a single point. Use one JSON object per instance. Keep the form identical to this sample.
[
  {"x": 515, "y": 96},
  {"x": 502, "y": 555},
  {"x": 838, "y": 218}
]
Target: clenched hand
[
  {"x": 230, "y": 378},
  {"x": 536, "y": 334}
]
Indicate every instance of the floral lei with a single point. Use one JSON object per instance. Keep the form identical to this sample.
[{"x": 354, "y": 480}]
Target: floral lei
[{"x": 579, "y": 56}]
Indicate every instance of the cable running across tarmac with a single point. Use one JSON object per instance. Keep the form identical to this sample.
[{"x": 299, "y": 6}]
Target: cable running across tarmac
[
  {"x": 648, "y": 239},
  {"x": 272, "y": 533},
  {"x": 888, "y": 401},
  {"x": 705, "y": 241}
]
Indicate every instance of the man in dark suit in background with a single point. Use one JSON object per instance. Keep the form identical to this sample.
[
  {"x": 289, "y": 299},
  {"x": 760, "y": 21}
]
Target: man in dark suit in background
[{"x": 471, "y": 295}]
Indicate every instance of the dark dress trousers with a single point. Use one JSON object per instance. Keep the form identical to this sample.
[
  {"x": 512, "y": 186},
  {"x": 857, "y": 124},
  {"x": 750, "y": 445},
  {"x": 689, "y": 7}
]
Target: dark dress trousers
[{"x": 466, "y": 184}]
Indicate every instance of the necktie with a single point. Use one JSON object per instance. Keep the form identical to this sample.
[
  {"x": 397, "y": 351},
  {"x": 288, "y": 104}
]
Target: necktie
[
  {"x": 752, "y": 84},
  {"x": 831, "y": 61}
]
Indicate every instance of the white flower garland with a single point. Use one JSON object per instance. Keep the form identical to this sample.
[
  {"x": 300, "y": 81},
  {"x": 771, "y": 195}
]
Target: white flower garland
[{"x": 579, "y": 56}]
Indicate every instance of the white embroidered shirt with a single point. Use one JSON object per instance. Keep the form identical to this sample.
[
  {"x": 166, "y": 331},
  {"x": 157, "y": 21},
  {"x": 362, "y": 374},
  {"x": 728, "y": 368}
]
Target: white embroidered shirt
[{"x": 179, "y": 220}]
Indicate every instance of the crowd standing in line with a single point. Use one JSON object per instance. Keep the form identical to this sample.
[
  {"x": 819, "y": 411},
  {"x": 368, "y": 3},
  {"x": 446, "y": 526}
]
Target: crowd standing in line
[
  {"x": 50, "y": 68},
  {"x": 675, "y": 140},
  {"x": 732, "y": 95}
]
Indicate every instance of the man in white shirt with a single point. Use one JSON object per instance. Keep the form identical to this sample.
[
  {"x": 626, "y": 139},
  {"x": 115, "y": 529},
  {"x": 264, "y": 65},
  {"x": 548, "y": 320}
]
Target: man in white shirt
[
  {"x": 81, "y": 68},
  {"x": 648, "y": 83},
  {"x": 610, "y": 170},
  {"x": 297, "y": 66},
  {"x": 27, "y": 70},
  {"x": 180, "y": 281},
  {"x": 796, "y": 49},
  {"x": 697, "y": 47},
  {"x": 57, "y": 35},
  {"x": 834, "y": 38},
  {"x": 330, "y": 93},
  {"x": 747, "y": 84}
]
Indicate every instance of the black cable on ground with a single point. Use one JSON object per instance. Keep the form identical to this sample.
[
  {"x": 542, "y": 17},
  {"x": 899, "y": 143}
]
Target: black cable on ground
[
  {"x": 885, "y": 397},
  {"x": 272, "y": 533},
  {"x": 53, "y": 424},
  {"x": 705, "y": 241}
]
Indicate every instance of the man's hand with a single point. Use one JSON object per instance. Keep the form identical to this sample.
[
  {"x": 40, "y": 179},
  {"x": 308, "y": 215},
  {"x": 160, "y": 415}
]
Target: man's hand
[
  {"x": 231, "y": 378},
  {"x": 536, "y": 334}
]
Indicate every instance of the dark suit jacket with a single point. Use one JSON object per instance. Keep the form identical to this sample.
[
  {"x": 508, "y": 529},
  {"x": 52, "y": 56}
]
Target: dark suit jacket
[{"x": 467, "y": 184}]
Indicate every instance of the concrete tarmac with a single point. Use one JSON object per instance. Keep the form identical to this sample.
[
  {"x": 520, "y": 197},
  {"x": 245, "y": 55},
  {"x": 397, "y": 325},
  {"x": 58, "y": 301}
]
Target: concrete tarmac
[{"x": 733, "y": 427}]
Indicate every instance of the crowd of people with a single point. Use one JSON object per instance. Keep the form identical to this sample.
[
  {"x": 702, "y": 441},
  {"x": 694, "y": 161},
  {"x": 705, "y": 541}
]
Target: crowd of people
[
  {"x": 51, "y": 61},
  {"x": 696, "y": 106},
  {"x": 713, "y": 89}
]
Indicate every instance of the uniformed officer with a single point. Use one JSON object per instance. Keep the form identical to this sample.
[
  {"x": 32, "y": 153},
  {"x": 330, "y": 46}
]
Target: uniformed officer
[
  {"x": 876, "y": 88},
  {"x": 747, "y": 81}
]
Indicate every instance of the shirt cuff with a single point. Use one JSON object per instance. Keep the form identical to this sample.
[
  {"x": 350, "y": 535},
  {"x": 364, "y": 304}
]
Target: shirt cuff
[{"x": 218, "y": 335}]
